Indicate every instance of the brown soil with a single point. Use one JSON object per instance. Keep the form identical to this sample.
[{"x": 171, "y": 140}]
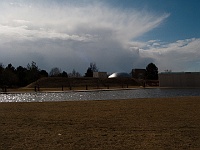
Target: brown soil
[{"x": 169, "y": 123}]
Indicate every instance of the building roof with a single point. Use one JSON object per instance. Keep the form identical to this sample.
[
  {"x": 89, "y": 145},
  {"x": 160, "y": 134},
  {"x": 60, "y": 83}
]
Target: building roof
[
  {"x": 120, "y": 75},
  {"x": 179, "y": 73}
]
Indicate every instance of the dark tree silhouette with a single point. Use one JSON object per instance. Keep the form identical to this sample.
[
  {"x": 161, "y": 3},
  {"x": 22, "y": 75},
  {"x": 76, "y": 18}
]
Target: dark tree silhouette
[
  {"x": 33, "y": 72},
  {"x": 22, "y": 76},
  {"x": 8, "y": 76},
  {"x": 64, "y": 74},
  {"x": 91, "y": 69},
  {"x": 11, "y": 68},
  {"x": 74, "y": 74},
  {"x": 151, "y": 72},
  {"x": 89, "y": 73},
  {"x": 43, "y": 73},
  {"x": 1, "y": 72},
  {"x": 55, "y": 72}
]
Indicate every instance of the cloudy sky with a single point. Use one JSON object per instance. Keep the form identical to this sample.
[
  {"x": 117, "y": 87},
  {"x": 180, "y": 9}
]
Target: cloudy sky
[{"x": 117, "y": 35}]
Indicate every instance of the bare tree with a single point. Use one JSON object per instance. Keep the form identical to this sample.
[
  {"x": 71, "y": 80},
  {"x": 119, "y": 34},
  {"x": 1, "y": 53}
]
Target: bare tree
[
  {"x": 91, "y": 69},
  {"x": 55, "y": 72},
  {"x": 74, "y": 74}
]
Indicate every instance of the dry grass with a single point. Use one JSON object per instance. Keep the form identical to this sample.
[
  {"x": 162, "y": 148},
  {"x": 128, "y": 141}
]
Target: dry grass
[
  {"x": 67, "y": 84},
  {"x": 170, "y": 123},
  {"x": 58, "y": 82}
]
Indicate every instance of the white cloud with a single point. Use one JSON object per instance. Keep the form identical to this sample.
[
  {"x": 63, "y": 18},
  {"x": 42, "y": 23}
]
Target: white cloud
[
  {"x": 182, "y": 55},
  {"x": 71, "y": 36}
]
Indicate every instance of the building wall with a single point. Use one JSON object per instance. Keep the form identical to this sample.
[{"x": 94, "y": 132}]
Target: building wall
[
  {"x": 183, "y": 79},
  {"x": 100, "y": 74}
]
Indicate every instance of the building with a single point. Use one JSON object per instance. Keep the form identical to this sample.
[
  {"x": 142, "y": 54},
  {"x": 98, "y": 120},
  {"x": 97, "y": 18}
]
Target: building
[
  {"x": 120, "y": 75},
  {"x": 139, "y": 73},
  {"x": 179, "y": 79},
  {"x": 100, "y": 75}
]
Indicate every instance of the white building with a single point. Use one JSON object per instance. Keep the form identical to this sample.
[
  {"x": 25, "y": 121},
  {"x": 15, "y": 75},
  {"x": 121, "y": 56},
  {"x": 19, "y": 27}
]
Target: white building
[
  {"x": 120, "y": 75},
  {"x": 179, "y": 79},
  {"x": 100, "y": 75}
]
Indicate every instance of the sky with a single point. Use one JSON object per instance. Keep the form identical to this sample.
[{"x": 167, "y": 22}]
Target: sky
[{"x": 116, "y": 35}]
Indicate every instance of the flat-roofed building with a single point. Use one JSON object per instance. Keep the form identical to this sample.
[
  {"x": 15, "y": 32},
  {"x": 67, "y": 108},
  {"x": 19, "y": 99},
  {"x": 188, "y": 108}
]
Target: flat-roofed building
[
  {"x": 179, "y": 79},
  {"x": 100, "y": 75}
]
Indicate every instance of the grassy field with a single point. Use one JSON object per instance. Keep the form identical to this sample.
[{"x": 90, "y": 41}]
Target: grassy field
[{"x": 167, "y": 123}]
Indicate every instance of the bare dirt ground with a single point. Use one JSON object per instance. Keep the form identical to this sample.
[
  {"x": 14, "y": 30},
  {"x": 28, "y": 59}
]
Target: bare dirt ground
[{"x": 169, "y": 123}]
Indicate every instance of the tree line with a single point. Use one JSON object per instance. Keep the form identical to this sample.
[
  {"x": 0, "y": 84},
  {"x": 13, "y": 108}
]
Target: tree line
[{"x": 22, "y": 76}]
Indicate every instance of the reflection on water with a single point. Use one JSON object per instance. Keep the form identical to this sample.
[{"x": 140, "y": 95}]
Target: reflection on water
[{"x": 98, "y": 95}]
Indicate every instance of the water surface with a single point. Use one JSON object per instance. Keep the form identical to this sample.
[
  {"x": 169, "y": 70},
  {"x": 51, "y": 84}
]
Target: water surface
[{"x": 97, "y": 95}]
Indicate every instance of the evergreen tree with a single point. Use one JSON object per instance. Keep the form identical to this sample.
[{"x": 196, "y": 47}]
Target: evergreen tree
[{"x": 151, "y": 72}]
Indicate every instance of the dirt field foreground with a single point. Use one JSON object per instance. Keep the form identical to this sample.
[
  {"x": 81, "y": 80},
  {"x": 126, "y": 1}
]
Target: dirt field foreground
[{"x": 168, "y": 123}]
